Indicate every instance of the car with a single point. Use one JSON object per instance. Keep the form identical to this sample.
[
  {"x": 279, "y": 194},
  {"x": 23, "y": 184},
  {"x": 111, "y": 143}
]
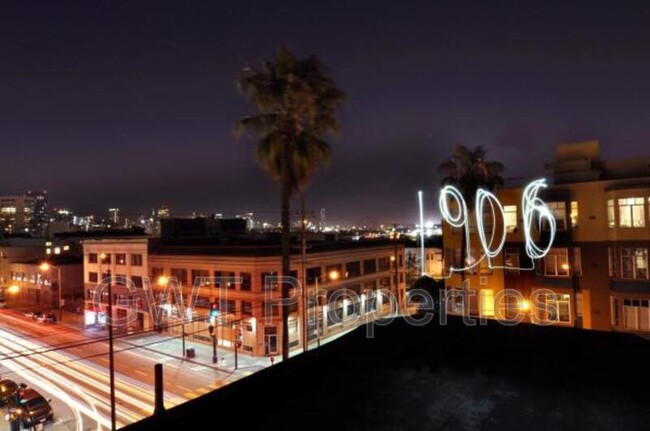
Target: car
[
  {"x": 31, "y": 407},
  {"x": 34, "y": 314},
  {"x": 8, "y": 390},
  {"x": 46, "y": 318}
]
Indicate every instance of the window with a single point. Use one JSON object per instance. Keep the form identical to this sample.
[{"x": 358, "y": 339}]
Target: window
[
  {"x": 120, "y": 259},
  {"x": 611, "y": 213},
  {"x": 156, "y": 273},
  {"x": 614, "y": 308},
  {"x": 512, "y": 261},
  {"x": 136, "y": 260},
  {"x": 137, "y": 281},
  {"x": 634, "y": 263},
  {"x": 245, "y": 281},
  {"x": 92, "y": 277},
  {"x": 631, "y": 212},
  {"x": 180, "y": 274},
  {"x": 107, "y": 259},
  {"x": 352, "y": 269},
  {"x": 577, "y": 261},
  {"x": 201, "y": 277},
  {"x": 558, "y": 209},
  {"x": 487, "y": 302},
  {"x": 556, "y": 263},
  {"x": 92, "y": 257},
  {"x": 558, "y": 308},
  {"x": 268, "y": 285},
  {"x": 383, "y": 264},
  {"x": 510, "y": 217},
  {"x": 636, "y": 314},
  {"x": 574, "y": 214},
  {"x": 611, "y": 262},
  {"x": 313, "y": 274},
  {"x": 246, "y": 308},
  {"x": 369, "y": 266}
]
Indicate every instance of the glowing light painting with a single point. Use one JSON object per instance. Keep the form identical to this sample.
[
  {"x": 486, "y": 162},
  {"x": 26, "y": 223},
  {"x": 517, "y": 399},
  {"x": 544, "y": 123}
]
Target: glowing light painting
[{"x": 453, "y": 210}]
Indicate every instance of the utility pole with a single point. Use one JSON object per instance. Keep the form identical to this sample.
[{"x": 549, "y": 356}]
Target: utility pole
[
  {"x": 305, "y": 323},
  {"x": 213, "y": 334},
  {"x": 111, "y": 357},
  {"x": 159, "y": 404},
  {"x": 396, "y": 260},
  {"x": 183, "y": 335},
  {"x": 236, "y": 344}
]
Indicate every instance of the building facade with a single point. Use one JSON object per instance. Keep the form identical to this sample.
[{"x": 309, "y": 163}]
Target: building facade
[
  {"x": 595, "y": 275},
  {"x": 346, "y": 285}
]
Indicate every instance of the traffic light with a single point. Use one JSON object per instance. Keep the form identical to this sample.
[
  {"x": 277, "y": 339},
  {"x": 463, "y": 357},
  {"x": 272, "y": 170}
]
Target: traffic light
[
  {"x": 214, "y": 310},
  {"x": 21, "y": 396}
]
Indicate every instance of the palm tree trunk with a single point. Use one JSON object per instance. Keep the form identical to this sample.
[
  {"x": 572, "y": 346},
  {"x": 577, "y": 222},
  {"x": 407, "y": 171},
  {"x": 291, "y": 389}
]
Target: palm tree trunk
[{"x": 286, "y": 249}]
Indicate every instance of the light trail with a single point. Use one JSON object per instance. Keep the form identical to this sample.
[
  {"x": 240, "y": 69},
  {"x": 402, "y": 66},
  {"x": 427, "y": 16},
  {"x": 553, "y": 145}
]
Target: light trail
[{"x": 76, "y": 376}]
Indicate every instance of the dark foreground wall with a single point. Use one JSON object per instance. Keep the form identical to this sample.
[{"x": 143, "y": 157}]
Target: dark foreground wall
[{"x": 433, "y": 377}]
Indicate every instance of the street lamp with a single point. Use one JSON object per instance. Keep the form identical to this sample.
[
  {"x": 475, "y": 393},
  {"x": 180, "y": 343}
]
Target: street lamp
[
  {"x": 45, "y": 267},
  {"x": 332, "y": 275}
]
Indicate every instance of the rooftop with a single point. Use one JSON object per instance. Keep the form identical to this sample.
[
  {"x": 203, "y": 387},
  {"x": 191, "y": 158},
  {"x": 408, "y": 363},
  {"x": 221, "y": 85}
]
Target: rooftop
[{"x": 452, "y": 377}]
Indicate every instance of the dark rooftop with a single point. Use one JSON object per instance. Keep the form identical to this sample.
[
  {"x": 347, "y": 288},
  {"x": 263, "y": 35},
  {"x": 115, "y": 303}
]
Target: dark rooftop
[
  {"x": 433, "y": 377},
  {"x": 55, "y": 260},
  {"x": 258, "y": 248}
]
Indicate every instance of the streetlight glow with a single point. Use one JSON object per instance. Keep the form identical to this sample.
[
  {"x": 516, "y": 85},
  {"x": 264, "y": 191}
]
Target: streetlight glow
[
  {"x": 44, "y": 266},
  {"x": 163, "y": 280},
  {"x": 334, "y": 275}
]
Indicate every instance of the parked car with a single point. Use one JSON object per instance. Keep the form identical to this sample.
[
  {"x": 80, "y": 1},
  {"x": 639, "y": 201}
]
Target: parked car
[
  {"x": 46, "y": 318},
  {"x": 8, "y": 390},
  {"x": 31, "y": 407}
]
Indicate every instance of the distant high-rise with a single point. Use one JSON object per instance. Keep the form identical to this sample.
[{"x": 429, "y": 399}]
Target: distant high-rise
[
  {"x": 163, "y": 212},
  {"x": 322, "y": 222},
  {"x": 16, "y": 213},
  {"x": 40, "y": 211},
  {"x": 114, "y": 215}
]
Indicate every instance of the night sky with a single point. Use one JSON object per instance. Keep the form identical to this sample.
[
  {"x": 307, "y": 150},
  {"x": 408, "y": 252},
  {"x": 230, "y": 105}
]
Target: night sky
[{"x": 132, "y": 103}]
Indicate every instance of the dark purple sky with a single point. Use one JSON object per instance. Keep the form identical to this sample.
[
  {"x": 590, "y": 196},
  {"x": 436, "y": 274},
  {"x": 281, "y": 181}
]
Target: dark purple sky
[{"x": 132, "y": 103}]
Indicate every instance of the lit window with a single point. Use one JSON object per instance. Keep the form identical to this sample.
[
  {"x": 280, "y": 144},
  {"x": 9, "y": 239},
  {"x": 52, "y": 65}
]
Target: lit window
[
  {"x": 634, "y": 263},
  {"x": 636, "y": 314},
  {"x": 574, "y": 214},
  {"x": 487, "y": 302},
  {"x": 556, "y": 263},
  {"x": 558, "y": 308},
  {"x": 510, "y": 217},
  {"x": 57, "y": 250},
  {"x": 631, "y": 212},
  {"x": 611, "y": 213}
]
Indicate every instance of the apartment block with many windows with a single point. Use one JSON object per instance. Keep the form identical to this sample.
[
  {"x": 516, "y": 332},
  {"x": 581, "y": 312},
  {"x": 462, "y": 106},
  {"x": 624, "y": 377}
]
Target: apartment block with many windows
[{"x": 596, "y": 273}]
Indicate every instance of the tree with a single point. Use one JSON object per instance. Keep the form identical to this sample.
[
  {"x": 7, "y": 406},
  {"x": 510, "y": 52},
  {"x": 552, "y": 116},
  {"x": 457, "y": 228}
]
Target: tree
[
  {"x": 468, "y": 170},
  {"x": 297, "y": 102}
]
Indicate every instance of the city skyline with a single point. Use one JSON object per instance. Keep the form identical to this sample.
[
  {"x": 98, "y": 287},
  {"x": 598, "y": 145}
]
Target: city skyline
[{"x": 134, "y": 105}]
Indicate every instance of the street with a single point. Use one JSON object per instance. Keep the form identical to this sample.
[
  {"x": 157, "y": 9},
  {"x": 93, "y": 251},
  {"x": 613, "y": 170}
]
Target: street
[{"x": 70, "y": 366}]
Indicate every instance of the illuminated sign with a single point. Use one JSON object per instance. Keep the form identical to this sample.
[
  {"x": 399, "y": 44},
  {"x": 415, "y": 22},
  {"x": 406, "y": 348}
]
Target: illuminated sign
[{"x": 535, "y": 213}]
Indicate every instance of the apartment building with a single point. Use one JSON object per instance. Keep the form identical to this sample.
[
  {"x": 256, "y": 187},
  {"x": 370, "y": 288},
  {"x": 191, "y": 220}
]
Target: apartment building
[
  {"x": 231, "y": 287},
  {"x": 596, "y": 272}
]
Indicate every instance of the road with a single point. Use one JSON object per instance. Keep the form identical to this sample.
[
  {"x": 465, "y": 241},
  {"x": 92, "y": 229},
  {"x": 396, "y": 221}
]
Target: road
[{"x": 69, "y": 366}]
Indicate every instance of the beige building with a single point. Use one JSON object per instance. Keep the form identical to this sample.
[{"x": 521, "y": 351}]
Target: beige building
[
  {"x": 348, "y": 276},
  {"x": 597, "y": 268}
]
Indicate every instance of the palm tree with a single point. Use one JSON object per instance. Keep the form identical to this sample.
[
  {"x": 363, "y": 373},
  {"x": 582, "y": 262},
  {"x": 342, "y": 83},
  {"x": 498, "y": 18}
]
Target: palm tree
[
  {"x": 468, "y": 170},
  {"x": 297, "y": 102}
]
